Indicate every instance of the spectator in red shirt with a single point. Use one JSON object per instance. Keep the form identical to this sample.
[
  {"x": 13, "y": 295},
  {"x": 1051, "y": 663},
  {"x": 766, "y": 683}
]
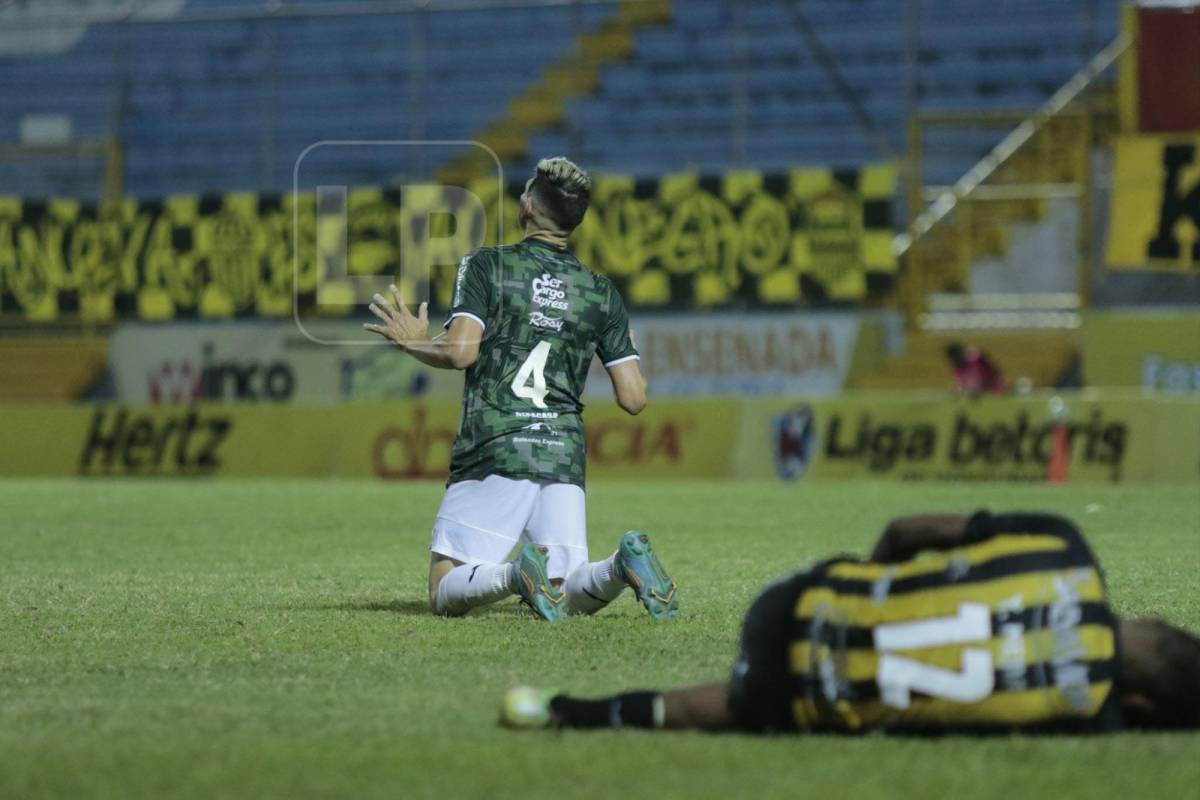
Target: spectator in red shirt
[{"x": 974, "y": 372}]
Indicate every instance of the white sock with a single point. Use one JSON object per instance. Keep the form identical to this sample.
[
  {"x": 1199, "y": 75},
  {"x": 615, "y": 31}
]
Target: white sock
[
  {"x": 471, "y": 585},
  {"x": 593, "y": 586}
]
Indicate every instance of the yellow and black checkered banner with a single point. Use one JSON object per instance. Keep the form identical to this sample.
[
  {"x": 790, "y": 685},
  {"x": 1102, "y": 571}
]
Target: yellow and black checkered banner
[
  {"x": 685, "y": 240},
  {"x": 811, "y": 234},
  {"x": 1154, "y": 218}
]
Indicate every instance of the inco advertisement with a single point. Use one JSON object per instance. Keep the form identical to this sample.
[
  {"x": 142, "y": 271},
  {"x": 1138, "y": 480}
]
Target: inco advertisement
[
  {"x": 1108, "y": 438},
  {"x": 272, "y": 362},
  {"x": 275, "y": 362}
]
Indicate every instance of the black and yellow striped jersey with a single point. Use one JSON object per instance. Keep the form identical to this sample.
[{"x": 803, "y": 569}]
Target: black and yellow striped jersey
[{"x": 1012, "y": 629}]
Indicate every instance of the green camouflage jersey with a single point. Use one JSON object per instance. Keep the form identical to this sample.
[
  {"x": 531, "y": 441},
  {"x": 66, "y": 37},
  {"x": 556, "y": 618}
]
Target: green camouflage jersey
[{"x": 545, "y": 315}]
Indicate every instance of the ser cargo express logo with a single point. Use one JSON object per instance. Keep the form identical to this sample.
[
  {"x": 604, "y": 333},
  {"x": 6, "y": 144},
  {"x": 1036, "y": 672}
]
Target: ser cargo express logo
[
  {"x": 122, "y": 442},
  {"x": 549, "y": 293}
]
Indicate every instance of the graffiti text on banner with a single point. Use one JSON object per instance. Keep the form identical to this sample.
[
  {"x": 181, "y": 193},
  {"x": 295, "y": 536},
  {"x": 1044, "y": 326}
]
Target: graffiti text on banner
[{"x": 682, "y": 240}]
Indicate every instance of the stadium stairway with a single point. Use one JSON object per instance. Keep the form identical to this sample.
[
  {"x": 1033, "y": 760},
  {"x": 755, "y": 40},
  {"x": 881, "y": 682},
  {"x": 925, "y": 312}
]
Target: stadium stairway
[
  {"x": 1007, "y": 246},
  {"x": 544, "y": 104},
  {"x": 981, "y": 233}
]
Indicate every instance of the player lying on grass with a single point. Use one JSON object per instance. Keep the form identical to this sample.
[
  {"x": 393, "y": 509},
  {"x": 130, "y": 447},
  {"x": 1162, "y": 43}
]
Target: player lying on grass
[
  {"x": 1003, "y": 625},
  {"x": 525, "y": 323}
]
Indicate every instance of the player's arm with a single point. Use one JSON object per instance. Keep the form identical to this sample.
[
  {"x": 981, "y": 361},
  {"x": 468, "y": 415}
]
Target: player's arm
[
  {"x": 704, "y": 707},
  {"x": 904, "y": 537},
  {"x": 457, "y": 348},
  {"x": 620, "y": 357},
  {"x": 907, "y": 536},
  {"x": 628, "y": 385}
]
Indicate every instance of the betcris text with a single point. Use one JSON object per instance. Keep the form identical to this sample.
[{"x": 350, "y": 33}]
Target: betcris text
[
  {"x": 124, "y": 442},
  {"x": 1017, "y": 446}
]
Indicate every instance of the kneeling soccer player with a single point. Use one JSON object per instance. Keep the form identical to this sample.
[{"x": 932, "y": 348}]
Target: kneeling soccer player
[
  {"x": 525, "y": 322},
  {"x": 1006, "y": 626}
]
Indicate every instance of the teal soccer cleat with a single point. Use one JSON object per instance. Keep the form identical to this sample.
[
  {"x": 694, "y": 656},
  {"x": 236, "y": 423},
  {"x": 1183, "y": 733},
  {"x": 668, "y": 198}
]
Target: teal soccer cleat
[
  {"x": 644, "y": 572},
  {"x": 534, "y": 587}
]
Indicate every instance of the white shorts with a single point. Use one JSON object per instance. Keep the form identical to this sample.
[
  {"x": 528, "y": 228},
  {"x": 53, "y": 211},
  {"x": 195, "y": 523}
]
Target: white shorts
[{"x": 482, "y": 521}]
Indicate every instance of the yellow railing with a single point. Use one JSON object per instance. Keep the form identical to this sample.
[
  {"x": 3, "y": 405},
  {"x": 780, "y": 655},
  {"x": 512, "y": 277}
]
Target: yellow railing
[
  {"x": 1043, "y": 156},
  {"x": 107, "y": 154}
]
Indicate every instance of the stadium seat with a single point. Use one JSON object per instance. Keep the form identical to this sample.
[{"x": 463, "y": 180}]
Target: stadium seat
[{"x": 277, "y": 86}]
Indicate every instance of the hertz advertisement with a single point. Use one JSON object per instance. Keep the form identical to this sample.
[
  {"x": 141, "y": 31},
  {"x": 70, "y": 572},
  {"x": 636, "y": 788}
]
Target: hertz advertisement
[
  {"x": 1115, "y": 437},
  {"x": 684, "y": 239},
  {"x": 398, "y": 441}
]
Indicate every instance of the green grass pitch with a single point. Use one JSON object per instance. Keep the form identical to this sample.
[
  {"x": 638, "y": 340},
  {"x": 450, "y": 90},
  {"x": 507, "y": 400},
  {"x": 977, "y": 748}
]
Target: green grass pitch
[{"x": 271, "y": 640}]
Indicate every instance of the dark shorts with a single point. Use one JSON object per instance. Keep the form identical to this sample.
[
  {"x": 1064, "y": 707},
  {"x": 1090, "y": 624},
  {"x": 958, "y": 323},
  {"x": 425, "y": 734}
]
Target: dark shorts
[{"x": 760, "y": 686}]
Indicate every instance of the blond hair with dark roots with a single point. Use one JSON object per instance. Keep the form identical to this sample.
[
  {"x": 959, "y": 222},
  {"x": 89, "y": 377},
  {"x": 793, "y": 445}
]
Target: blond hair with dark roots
[{"x": 561, "y": 192}]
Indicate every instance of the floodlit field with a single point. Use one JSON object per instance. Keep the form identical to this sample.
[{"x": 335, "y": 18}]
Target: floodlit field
[{"x": 272, "y": 639}]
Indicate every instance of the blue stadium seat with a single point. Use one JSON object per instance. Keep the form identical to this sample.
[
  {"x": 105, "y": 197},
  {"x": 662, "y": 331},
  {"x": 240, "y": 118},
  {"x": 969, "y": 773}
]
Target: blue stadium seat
[{"x": 232, "y": 103}]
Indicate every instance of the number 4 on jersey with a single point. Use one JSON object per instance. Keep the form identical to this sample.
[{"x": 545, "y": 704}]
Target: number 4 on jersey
[{"x": 530, "y": 381}]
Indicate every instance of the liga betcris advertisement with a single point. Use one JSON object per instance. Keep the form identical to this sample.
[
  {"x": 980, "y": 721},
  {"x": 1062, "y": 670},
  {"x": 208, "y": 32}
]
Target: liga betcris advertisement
[{"x": 1111, "y": 437}]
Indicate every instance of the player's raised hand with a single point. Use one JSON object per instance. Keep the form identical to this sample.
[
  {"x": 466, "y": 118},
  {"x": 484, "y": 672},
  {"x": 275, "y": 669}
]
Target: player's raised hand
[{"x": 399, "y": 325}]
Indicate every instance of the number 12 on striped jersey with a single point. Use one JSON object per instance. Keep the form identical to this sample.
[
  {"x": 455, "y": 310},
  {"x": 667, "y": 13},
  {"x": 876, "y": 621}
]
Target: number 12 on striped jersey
[
  {"x": 530, "y": 380},
  {"x": 898, "y": 677}
]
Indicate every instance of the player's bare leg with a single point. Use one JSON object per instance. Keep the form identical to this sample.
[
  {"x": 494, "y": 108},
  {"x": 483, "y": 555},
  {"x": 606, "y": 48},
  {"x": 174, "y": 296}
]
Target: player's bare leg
[{"x": 704, "y": 707}]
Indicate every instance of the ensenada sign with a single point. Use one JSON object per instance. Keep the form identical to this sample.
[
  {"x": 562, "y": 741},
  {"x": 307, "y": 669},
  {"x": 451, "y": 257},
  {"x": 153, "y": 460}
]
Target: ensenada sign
[{"x": 745, "y": 354}]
